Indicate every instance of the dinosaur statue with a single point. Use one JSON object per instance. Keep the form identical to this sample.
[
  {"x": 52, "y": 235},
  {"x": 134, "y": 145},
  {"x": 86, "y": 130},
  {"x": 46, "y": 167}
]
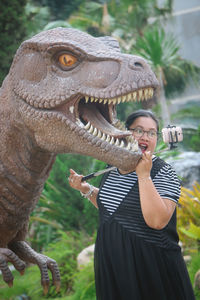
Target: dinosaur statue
[{"x": 59, "y": 97}]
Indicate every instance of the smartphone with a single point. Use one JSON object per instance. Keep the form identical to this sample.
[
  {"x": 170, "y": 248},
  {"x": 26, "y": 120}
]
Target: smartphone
[{"x": 172, "y": 134}]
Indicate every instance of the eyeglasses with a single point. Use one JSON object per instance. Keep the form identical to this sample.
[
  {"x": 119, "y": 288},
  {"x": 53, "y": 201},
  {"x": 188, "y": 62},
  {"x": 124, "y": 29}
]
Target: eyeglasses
[{"x": 139, "y": 132}]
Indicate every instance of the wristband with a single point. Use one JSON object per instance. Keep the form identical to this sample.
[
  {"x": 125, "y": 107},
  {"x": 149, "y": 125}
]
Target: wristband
[{"x": 89, "y": 193}]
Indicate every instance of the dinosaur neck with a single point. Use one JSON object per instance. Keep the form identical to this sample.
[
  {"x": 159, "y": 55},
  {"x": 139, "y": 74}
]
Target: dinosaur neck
[{"x": 23, "y": 170}]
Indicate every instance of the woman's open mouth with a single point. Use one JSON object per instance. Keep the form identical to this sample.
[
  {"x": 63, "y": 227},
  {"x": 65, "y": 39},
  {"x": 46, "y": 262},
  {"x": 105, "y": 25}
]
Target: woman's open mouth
[{"x": 143, "y": 147}]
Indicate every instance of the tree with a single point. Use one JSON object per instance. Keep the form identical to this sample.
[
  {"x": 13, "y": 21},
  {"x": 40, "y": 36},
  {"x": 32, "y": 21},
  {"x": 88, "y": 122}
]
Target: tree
[
  {"x": 162, "y": 52},
  {"x": 60, "y": 9},
  {"x": 12, "y": 31},
  {"x": 122, "y": 19}
]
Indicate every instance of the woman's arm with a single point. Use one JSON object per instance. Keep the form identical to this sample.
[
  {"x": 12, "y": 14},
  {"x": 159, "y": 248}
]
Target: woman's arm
[
  {"x": 156, "y": 211},
  {"x": 84, "y": 187}
]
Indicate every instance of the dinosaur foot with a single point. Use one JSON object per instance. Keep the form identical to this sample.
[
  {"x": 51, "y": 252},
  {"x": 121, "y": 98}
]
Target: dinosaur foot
[
  {"x": 26, "y": 253},
  {"x": 45, "y": 263},
  {"x": 6, "y": 255}
]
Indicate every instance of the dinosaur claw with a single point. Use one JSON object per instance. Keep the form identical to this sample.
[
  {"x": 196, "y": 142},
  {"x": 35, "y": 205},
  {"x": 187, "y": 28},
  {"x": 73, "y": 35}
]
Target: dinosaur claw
[
  {"x": 45, "y": 289},
  {"x": 22, "y": 272},
  {"x": 10, "y": 284},
  {"x": 57, "y": 285}
]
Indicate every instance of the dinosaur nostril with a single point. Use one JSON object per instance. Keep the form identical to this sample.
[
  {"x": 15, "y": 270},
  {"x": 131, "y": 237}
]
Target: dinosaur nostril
[{"x": 137, "y": 64}]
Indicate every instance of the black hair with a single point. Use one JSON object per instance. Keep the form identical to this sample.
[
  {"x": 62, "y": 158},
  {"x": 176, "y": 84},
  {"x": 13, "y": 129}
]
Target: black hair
[{"x": 141, "y": 113}]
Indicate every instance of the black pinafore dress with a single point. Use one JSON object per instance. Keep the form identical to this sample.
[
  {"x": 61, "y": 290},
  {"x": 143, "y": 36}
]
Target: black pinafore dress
[{"x": 135, "y": 262}]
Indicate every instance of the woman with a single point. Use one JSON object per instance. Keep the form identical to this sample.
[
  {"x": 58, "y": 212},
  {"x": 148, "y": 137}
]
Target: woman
[{"x": 137, "y": 255}]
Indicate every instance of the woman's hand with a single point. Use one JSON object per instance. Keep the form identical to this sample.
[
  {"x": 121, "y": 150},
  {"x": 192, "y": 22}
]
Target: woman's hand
[
  {"x": 76, "y": 183},
  {"x": 82, "y": 186},
  {"x": 144, "y": 166}
]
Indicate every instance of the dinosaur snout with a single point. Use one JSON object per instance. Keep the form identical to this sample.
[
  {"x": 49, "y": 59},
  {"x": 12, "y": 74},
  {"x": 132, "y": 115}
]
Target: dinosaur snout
[{"x": 138, "y": 64}]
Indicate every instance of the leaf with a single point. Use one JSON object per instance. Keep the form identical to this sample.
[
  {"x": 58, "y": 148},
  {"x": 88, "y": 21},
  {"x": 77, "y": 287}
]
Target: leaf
[
  {"x": 192, "y": 232},
  {"x": 42, "y": 220}
]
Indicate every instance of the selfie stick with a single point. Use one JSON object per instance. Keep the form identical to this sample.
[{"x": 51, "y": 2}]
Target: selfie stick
[{"x": 171, "y": 135}]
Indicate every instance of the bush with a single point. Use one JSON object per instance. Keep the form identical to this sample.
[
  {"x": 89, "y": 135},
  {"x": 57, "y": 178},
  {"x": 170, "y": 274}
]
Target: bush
[
  {"x": 193, "y": 267},
  {"x": 188, "y": 216},
  {"x": 84, "y": 286},
  {"x": 12, "y": 31}
]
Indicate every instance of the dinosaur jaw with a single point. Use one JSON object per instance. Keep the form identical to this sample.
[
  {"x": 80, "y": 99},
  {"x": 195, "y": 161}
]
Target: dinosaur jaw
[
  {"x": 96, "y": 118},
  {"x": 99, "y": 121},
  {"x": 86, "y": 125}
]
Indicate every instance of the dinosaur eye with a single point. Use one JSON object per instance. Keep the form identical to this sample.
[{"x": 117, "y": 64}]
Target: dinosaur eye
[{"x": 67, "y": 60}]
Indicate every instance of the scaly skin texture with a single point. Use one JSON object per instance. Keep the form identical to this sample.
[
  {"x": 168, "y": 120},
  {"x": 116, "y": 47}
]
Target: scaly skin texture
[{"x": 60, "y": 97}]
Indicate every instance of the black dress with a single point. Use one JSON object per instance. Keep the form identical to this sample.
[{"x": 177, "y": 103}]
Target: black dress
[{"x": 133, "y": 261}]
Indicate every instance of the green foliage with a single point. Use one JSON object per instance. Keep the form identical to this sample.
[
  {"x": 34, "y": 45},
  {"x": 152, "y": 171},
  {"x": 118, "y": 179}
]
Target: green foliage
[
  {"x": 12, "y": 31},
  {"x": 162, "y": 52},
  {"x": 188, "y": 217},
  {"x": 88, "y": 18},
  {"x": 64, "y": 250},
  {"x": 84, "y": 286},
  {"x": 188, "y": 112},
  {"x": 60, "y": 206},
  {"x": 193, "y": 267},
  {"x": 190, "y": 117},
  {"x": 37, "y": 17},
  {"x": 163, "y": 151},
  {"x": 125, "y": 109},
  {"x": 122, "y": 19},
  {"x": 58, "y": 23},
  {"x": 89, "y": 211},
  {"x": 62, "y": 9},
  {"x": 68, "y": 205},
  {"x": 182, "y": 74},
  {"x": 157, "y": 47},
  {"x": 195, "y": 140}
]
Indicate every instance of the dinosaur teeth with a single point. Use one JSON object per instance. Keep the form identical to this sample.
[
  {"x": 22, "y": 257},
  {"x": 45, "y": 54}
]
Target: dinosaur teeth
[
  {"x": 123, "y": 99},
  {"x": 132, "y": 143},
  {"x": 140, "y": 95},
  {"x": 109, "y": 101},
  {"x": 134, "y": 96},
  {"x": 122, "y": 144},
  {"x": 128, "y": 146},
  {"x": 99, "y": 135},
  {"x": 119, "y": 99},
  {"x": 103, "y": 137},
  {"x": 135, "y": 147},
  {"x": 129, "y": 97},
  {"x": 91, "y": 129},
  {"x": 108, "y": 138},
  {"x": 95, "y": 132},
  {"x": 117, "y": 142},
  {"x": 112, "y": 141},
  {"x": 87, "y": 126},
  {"x": 79, "y": 123},
  {"x": 71, "y": 109},
  {"x": 146, "y": 94}
]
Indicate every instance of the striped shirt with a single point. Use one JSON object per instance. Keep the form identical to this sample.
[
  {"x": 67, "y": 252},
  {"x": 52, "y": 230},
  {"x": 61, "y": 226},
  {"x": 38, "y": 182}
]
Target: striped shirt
[{"x": 117, "y": 186}]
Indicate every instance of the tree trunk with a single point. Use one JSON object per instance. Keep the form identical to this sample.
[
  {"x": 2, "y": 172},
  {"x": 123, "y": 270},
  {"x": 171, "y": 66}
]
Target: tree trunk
[
  {"x": 163, "y": 102},
  {"x": 105, "y": 18}
]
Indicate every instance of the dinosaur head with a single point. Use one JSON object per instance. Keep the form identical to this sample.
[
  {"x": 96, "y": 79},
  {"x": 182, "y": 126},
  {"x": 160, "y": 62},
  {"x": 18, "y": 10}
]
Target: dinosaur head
[{"x": 66, "y": 85}]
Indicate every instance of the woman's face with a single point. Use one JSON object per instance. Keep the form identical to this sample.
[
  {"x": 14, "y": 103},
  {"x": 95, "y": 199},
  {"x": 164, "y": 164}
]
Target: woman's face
[{"x": 144, "y": 130}]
